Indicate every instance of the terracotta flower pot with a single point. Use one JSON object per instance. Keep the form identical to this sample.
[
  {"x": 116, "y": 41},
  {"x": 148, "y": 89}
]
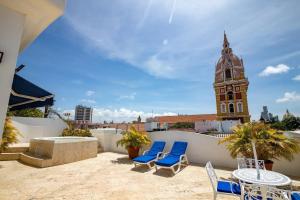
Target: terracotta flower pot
[
  {"x": 133, "y": 152},
  {"x": 269, "y": 164}
]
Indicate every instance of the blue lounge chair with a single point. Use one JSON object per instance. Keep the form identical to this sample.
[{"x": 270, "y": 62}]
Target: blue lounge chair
[
  {"x": 151, "y": 155},
  {"x": 176, "y": 157}
]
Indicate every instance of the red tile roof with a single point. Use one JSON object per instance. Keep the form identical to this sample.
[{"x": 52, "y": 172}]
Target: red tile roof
[{"x": 185, "y": 118}]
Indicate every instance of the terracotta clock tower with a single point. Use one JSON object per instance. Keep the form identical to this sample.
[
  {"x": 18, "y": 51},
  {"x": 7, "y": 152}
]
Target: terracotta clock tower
[{"x": 231, "y": 86}]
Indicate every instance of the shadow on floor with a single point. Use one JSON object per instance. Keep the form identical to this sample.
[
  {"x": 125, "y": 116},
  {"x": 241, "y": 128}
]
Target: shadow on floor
[
  {"x": 122, "y": 160},
  {"x": 164, "y": 173},
  {"x": 141, "y": 169},
  {"x": 167, "y": 172}
]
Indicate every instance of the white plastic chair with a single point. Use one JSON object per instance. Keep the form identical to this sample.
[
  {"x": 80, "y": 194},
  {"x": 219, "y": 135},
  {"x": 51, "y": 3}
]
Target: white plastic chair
[
  {"x": 250, "y": 163},
  {"x": 221, "y": 186},
  {"x": 263, "y": 192}
]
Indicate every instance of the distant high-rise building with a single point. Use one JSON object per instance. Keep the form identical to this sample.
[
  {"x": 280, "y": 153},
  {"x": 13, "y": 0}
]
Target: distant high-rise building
[
  {"x": 83, "y": 114},
  {"x": 266, "y": 116}
]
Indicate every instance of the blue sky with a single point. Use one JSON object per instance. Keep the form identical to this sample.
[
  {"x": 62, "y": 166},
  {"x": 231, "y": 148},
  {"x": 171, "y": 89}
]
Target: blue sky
[{"x": 130, "y": 58}]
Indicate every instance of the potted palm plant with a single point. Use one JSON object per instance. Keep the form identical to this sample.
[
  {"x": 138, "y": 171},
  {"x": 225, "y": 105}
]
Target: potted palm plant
[
  {"x": 133, "y": 140},
  {"x": 270, "y": 144},
  {"x": 10, "y": 135}
]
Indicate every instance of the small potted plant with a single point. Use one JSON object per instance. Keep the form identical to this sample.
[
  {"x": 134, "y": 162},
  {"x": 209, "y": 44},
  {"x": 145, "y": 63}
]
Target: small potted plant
[
  {"x": 133, "y": 140},
  {"x": 10, "y": 135},
  {"x": 270, "y": 144}
]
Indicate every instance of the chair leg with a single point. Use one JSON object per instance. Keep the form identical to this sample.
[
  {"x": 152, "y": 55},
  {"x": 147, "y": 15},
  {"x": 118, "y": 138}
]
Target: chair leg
[
  {"x": 215, "y": 196},
  {"x": 187, "y": 161}
]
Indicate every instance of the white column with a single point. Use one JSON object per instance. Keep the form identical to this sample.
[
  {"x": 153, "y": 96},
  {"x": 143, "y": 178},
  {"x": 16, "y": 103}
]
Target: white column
[{"x": 11, "y": 29}]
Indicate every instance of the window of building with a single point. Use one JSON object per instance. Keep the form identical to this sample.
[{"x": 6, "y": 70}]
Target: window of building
[
  {"x": 231, "y": 108},
  {"x": 222, "y": 97},
  {"x": 223, "y": 108},
  {"x": 230, "y": 95},
  {"x": 237, "y": 88},
  {"x": 228, "y": 74},
  {"x": 238, "y": 95},
  {"x": 240, "y": 107}
]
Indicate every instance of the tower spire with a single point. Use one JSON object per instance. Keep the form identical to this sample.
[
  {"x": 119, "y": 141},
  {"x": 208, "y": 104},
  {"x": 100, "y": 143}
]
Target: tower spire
[{"x": 225, "y": 43}]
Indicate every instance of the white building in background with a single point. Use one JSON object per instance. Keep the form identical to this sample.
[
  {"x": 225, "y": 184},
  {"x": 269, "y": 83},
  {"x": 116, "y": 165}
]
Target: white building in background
[
  {"x": 21, "y": 22},
  {"x": 83, "y": 114}
]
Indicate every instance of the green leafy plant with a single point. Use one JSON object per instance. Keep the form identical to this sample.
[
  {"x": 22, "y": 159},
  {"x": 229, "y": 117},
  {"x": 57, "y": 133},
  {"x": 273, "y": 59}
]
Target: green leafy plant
[
  {"x": 10, "y": 134},
  {"x": 288, "y": 123},
  {"x": 271, "y": 144},
  {"x": 30, "y": 112},
  {"x": 179, "y": 125},
  {"x": 133, "y": 138},
  {"x": 71, "y": 131}
]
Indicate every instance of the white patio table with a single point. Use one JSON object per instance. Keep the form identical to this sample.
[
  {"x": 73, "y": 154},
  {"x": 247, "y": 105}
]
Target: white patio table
[{"x": 267, "y": 177}]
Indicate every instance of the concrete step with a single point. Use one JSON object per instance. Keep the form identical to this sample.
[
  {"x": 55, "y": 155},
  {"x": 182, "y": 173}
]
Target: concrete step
[
  {"x": 9, "y": 156},
  {"x": 35, "y": 160}
]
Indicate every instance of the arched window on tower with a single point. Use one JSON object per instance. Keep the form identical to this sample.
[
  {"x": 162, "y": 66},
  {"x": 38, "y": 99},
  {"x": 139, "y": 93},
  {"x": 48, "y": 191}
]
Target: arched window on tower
[
  {"x": 231, "y": 108},
  {"x": 240, "y": 107},
  {"x": 230, "y": 95},
  {"x": 228, "y": 74},
  {"x": 223, "y": 108}
]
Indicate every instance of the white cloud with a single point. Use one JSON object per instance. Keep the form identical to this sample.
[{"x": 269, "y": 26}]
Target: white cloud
[
  {"x": 158, "y": 67},
  {"x": 133, "y": 32},
  {"x": 289, "y": 97},
  {"x": 90, "y": 93},
  {"x": 279, "y": 69},
  {"x": 129, "y": 97},
  {"x": 297, "y": 78},
  {"x": 122, "y": 114},
  {"x": 88, "y": 101},
  {"x": 119, "y": 115}
]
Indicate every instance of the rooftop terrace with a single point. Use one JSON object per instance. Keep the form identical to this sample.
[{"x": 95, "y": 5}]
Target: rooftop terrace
[{"x": 109, "y": 176}]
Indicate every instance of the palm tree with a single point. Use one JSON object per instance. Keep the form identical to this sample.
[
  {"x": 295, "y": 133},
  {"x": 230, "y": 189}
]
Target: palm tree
[{"x": 271, "y": 144}]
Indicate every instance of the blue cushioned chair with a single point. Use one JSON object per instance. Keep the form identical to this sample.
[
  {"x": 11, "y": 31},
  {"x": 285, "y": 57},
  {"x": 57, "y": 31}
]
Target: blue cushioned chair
[
  {"x": 221, "y": 186},
  {"x": 176, "y": 157},
  {"x": 150, "y": 155},
  {"x": 295, "y": 195}
]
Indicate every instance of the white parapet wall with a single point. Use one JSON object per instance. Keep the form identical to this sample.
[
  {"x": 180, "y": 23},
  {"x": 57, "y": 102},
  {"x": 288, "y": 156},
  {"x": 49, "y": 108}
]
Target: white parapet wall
[
  {"x": 201, "y": 148},
  {"x": 220, "y": 126},
  {"x": 30, "y": 127},
  {"x": 107, "y": 139}
]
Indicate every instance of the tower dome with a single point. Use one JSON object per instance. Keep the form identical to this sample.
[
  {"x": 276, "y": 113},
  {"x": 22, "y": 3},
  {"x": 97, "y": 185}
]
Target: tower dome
[{"x": 229, "y": 66}]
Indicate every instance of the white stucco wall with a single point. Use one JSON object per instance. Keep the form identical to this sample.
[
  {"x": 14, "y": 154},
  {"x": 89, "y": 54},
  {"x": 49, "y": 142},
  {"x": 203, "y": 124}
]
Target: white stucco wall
[
  {"x": 108, "y": 137},
  {"x": 201, "y": 148},
  {"x": 38, "y": 127},
  {"x": 220, "y": 126},
  {"x": 11, "y": 30}
]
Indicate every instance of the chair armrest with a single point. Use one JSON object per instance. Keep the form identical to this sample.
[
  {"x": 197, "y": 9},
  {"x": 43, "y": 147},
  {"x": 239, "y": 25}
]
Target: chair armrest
[
  {"x": 145, "y": 152},
  {"x": 159, "y": 154},
  {"x": 165, "y": 154}
]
